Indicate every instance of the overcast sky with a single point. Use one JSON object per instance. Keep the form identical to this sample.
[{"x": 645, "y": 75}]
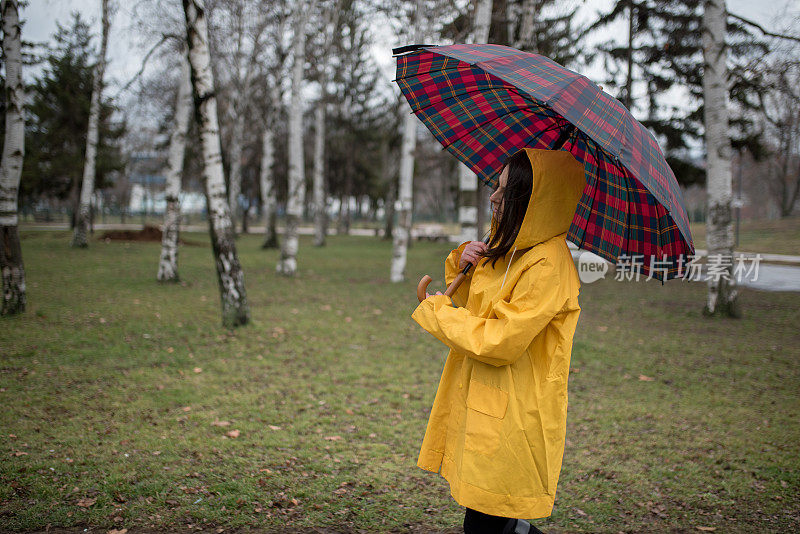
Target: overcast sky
[{"x": 125, "y": 52}]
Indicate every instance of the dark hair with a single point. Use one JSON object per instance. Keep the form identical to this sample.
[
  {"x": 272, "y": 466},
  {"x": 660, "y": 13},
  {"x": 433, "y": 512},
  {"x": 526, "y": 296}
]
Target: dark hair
[{"x": 515, "y": 204}]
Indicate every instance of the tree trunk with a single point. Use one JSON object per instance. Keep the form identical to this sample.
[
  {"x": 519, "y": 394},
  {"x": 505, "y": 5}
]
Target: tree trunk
[
  {"x": 402, "y": 233},
  {"x": 722, "y": 292},
  {"x": 168, "y": 264},
  {"x": 468, "y": 183},
  {"x": 14, "y": 294},
  {"x": 629, "y": 77},
  {"x": 526, "y": 32},
  {"x": 267, "y": 183},
  {"x": 229, "y": 271},
  {"x": 388, "y": 170},
  {"x": 483, "y": 21},
  {"x": 235, "y": 179},
  {"x": 287, "y": 264},
  {"x": 245, "y": 216},
  {"x": 320, "y": 214},
  {"x": 79, "y": 238}
]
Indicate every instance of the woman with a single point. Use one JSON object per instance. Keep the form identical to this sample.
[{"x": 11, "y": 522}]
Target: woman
[{"x": 498, "y": 423}]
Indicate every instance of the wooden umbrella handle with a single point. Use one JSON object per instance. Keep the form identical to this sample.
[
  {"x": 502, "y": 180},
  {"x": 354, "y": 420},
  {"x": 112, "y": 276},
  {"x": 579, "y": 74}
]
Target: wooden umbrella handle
[{"x": 422, "y": 287}]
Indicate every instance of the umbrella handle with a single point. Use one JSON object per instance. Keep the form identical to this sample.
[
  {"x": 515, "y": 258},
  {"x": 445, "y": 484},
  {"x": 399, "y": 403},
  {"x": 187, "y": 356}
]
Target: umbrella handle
[{"x": 422, "y": 287}]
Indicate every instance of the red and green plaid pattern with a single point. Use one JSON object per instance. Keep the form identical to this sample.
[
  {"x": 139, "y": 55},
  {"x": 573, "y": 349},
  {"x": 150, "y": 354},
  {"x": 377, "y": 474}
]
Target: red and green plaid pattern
[{"x": 485, "y": 102}]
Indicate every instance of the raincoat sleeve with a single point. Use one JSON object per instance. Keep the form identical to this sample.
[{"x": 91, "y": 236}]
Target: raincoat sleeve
[
  {"x": 451, "y": 270},
  {"x": 502, "y": 339}
]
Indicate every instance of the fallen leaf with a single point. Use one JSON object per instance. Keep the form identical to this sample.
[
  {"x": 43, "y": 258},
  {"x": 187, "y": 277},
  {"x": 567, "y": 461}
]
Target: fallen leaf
[
  {"x": 333, "y": 438},
  {"x": 707, "y": 529},
  {"x": 187, "y": 408},
  {"x": 274, "y": 427},
  {"x": 198, "y": 370},
  {"x": 221, "y": 423},
  {"x": 580, "y": 512},
  {"x": 86, "y": 502},
  {"x": 232, "y": 433},
  {"x": 646, "y": 378},
  {"x": 118, "y": 531}
]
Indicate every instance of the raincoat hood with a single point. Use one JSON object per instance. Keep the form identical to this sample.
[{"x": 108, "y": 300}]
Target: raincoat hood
[{"x": 558, "y": 182}]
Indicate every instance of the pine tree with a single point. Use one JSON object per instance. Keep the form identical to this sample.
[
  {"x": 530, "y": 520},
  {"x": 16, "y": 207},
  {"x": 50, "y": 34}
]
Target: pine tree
[{"x": 58, "y": 118}]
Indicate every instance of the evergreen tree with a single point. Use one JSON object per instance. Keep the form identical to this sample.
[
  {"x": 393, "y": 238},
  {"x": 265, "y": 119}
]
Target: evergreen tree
[
  {"x": 664, "y": 50},
  {"x": 57, "y": 121}
]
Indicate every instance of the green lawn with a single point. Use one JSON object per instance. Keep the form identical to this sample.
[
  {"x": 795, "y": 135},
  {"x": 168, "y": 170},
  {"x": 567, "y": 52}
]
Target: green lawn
[
  {"x": 780, "y": 236},
  {"x": 122, "y": 398}
]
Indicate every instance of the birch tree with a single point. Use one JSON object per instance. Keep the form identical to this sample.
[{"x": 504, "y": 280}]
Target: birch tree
[
  {"x": 722, "y": 293},
  {"x": 229, "y": 271},
  {"x": 14, "y": 296},
  {"x": 330, "y": 27},
  {"x": 267, "y": 183},
  {"x": 168, "y": 263},
  {"x": 405, "y": 189},
  {"x": 79, "y": 238},
  {"x": 468, "y": 183},
  {"x": 247, "y": 22},
  {"x": 287, "y": 264}
]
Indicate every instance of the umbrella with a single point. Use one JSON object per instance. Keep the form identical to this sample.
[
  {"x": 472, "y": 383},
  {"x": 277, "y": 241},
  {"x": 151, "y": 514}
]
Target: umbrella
[{"x": 483, "y": 102}]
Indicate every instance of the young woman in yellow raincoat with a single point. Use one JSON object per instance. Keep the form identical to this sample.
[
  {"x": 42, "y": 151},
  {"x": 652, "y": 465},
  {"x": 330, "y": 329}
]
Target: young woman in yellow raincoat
[{"x": 498, "y": 422}]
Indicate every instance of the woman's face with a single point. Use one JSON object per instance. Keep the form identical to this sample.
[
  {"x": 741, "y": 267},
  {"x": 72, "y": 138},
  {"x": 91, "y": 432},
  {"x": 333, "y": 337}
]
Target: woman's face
[{"x": 496, "y": 199}]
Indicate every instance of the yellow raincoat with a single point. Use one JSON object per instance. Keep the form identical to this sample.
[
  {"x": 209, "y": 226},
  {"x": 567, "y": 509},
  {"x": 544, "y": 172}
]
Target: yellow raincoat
[{"x": 498, "y": 423}]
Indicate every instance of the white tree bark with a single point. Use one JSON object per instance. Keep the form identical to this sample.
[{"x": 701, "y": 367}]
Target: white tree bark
[
  {"x": 405, "y": 198},
  {"x": 168, "y": 263},
  {"x": 483, "y": 20},
  {"x": 722, "y": 293},
  {"x": 527, "y": 24},
  {"x": 320, "y": 193},
  {"x": 287, "y": 264},
  {"x": 267, "y": 182},
  {"x": 79, "y": 238},
  {"x": 14, "y": 294},
  {"x": 405, "y": 189},
  {"x": 235, "y": 179},
  {"x": 320, "y": 212},
  {"x": 469, "y": 198},
  {"x": 229, "y": 271}
]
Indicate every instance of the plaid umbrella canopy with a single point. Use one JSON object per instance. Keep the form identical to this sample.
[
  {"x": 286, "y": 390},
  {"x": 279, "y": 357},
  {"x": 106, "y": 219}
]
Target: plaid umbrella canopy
[{"x": 483, "y": 102}]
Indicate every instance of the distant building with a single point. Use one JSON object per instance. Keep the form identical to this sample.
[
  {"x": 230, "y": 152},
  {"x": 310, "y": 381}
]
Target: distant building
[{"x": 147, "y": 182}]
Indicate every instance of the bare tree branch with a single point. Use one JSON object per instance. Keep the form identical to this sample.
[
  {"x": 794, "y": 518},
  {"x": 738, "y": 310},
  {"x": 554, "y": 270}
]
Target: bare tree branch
[{"x": 762, "y": 30}]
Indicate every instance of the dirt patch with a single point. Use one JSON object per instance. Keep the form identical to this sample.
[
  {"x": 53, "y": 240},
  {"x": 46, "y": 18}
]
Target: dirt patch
[{"x": 148, "y": 233}]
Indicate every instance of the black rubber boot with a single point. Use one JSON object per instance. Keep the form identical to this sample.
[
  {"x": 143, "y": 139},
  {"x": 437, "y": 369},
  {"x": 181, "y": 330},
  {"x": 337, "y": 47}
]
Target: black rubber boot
[{"x": 520, "y": 526}]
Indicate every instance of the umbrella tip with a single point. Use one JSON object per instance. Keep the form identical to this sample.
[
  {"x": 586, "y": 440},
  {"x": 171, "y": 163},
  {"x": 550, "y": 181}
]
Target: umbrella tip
[{"x": 408, "y": 48}]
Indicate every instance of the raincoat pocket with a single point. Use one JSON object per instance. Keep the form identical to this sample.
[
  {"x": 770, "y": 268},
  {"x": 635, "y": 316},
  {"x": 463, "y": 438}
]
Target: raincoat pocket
[{"x": 486, "y": 408}]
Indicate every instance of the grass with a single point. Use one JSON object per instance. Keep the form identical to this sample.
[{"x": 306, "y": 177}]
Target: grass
[
  {"x": 122, "y": 397},
  {"x": 781, "y": 236}
]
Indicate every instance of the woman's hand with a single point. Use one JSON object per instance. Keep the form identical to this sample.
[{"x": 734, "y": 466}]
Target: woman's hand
[
  {"x": 472, "y": 253},
  {"x": 429, "y": 295}
]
